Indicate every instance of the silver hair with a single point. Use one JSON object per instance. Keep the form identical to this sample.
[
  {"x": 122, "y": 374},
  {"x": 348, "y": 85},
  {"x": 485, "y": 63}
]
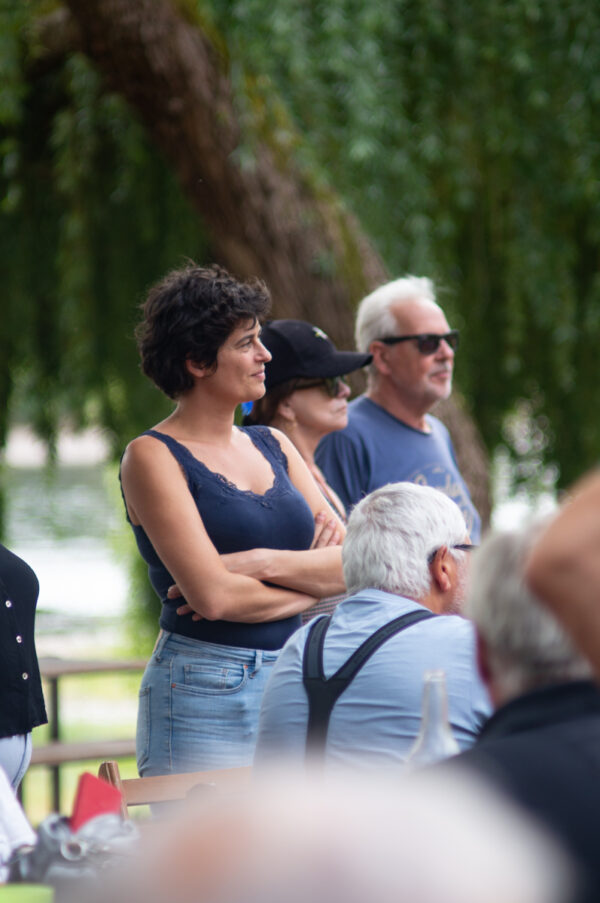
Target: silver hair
[
  {"x": 373, "y": 317},
  {"x": 391, "y": 534},
  {"x": 526, "y": 645}
]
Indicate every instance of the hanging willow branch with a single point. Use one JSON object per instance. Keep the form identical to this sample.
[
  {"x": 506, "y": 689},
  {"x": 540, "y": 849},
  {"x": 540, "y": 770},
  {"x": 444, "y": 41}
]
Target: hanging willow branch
[{"x": 264, "y": 214}]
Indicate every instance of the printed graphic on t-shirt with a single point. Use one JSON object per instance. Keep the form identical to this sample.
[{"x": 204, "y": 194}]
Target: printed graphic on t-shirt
[{"x": 441, "y": 478}]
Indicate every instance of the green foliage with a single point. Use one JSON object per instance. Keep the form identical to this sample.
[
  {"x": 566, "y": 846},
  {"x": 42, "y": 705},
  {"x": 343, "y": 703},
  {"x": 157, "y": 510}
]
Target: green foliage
[
  {"x": 463, "y": 135},
  {"x": 91, "y": 216}
]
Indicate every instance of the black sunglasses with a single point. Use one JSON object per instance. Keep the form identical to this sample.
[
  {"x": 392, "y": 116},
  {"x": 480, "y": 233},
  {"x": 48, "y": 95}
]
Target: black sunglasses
[
  {"x": 332, "y": 385},
  {"x": 427, "y": 342}
]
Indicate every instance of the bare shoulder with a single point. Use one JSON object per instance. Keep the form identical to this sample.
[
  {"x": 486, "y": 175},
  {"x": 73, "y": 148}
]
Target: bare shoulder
[
  {"x": 151, "y": 478},
  {"x": 287, "y": 446},
  {"x": 146, "y": 453}
]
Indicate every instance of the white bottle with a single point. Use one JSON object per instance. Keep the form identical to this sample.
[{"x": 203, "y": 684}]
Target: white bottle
[{"x": 435, "y": 740}]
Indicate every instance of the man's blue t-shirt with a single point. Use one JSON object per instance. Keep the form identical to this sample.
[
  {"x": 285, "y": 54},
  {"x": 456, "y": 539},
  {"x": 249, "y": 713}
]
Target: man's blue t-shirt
[{"x": 376, "y": 448}]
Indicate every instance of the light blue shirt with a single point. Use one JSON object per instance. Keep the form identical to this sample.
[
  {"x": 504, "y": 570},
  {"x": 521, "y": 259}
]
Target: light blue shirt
[
  {"x": 378, "y": 715},
  {"x": 376, "y": 448}
]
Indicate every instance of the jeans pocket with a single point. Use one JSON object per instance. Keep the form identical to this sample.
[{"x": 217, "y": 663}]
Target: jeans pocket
[
  {"x": 214, "y": 713},
  {"x": 214, "y": 678},
  {"x": 142, "y": 736}
]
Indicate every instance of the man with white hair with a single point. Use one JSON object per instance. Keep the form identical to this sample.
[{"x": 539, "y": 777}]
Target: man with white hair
[
  {"x": 542, "y": 744},
  {"x": 405, "y": 554},
  {"x": 391, "y": 435}
]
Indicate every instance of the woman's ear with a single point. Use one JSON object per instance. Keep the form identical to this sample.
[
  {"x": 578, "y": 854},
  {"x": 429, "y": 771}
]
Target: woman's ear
[
  {"x": 197, "y": 370},
  {"x": 285, "y": 410}
]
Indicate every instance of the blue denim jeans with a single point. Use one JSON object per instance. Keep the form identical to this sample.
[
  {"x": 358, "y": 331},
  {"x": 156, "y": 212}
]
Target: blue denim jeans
[
  {"x": 15, "y": 755},
  {"x": 199, "y": 704}
]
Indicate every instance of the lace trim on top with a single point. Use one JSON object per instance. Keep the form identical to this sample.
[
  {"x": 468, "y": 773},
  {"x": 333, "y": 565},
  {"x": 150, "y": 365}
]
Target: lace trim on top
[{"x": 262, "y": 439}]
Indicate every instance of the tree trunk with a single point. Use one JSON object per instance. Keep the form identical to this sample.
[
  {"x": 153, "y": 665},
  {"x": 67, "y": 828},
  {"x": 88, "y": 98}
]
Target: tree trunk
[{"x": 264, "y": 217}]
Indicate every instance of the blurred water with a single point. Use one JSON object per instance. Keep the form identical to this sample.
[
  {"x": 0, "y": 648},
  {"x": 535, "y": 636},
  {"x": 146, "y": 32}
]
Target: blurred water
[{"x": 68, "y": 525}]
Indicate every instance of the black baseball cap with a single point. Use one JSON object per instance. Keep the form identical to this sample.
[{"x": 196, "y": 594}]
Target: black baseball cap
[{"x": 303, "y": 351}]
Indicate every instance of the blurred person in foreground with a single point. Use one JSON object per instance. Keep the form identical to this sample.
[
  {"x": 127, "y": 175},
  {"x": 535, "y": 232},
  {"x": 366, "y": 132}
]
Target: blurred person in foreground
[
  {"x": 564, "y": 566},
  {"x": 376, "y": 838},
  {"x": 391, "y": 433},
  {"x": 542, "y": 744},
  {"x": 405, "y": 553}
]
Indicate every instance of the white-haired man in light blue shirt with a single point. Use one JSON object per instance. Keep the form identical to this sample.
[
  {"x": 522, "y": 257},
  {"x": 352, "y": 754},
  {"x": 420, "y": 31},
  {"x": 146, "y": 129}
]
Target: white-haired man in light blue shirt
[{"x": 405, "y": 554}]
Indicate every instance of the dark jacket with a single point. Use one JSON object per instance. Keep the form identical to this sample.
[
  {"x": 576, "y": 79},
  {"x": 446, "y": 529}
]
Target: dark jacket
[
  {"x": 543, "y": 750},
  {"x": 21, "y": 700}
]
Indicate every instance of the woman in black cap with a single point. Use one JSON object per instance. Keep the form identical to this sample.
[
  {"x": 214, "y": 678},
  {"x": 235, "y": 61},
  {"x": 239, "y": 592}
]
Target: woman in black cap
[{"x": 306, "y": 396}]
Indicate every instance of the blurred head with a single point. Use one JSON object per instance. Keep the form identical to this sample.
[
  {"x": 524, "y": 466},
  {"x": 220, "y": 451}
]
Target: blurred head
[
  {"x": 522, "y": 645},
  {"x": 398, "y": 537},
  {"x": 419, "y": 367},
  {"x": 376, "y": 837},
  {"x": 304, "y": 381},
  {"x": 188, "y": 316}
]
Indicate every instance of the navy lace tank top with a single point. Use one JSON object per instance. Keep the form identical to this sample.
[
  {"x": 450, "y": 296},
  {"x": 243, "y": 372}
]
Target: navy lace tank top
[{"x": 235, "y": 520}]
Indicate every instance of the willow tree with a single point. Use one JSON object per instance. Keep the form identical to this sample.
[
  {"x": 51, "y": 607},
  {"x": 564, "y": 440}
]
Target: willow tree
[
  {"x": 462, "y": 136},
  {"x": 263, "y": 212},
  {"x": 465, "y": 136}
]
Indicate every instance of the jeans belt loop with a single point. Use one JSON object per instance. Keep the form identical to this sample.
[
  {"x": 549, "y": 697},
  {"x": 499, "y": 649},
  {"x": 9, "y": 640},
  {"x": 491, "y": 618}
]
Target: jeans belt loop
[
  {"x": 258, "y": 655},
  {"x": 161, "y": 639}
]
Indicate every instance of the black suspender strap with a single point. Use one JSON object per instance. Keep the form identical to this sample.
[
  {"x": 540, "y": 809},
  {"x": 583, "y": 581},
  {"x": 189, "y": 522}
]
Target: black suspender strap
[{"x": 322, "y": 692}]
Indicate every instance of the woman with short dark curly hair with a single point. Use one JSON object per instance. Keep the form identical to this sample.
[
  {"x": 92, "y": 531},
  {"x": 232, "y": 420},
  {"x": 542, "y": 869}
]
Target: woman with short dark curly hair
[
  {"x": 226, "y": 513},
  {"x": 187, "y": 316}
]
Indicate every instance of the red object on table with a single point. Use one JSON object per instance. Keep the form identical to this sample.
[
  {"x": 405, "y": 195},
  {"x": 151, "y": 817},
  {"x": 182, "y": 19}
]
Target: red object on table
[{"x": 93, "y": 797}]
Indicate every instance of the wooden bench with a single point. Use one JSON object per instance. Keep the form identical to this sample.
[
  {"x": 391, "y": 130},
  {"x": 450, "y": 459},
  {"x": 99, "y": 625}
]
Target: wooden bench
[{"x": 58, "y": 752}]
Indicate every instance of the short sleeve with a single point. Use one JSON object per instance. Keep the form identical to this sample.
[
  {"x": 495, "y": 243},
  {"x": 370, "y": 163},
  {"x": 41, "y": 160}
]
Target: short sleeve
[{"x": 342, "y": 459}]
